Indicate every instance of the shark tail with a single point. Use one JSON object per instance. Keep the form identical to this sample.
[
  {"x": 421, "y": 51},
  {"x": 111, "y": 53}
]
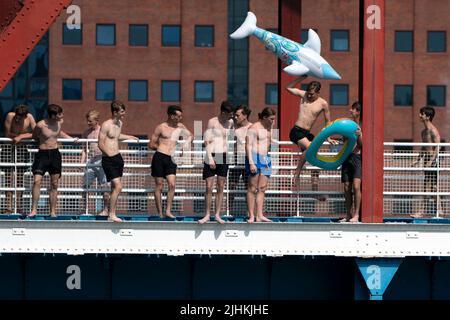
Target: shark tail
[{"x": 246, "y": 28}]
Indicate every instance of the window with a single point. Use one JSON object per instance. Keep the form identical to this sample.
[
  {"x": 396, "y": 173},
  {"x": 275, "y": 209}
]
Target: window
[
  {"x": 7, "y": 91},
  {"x": 339, "y": 40},
  {"x": 403, "y": 95},
  {"x": 171, "y": 36},
  {"x": 271, "y": 93},
  {"x": 339, "y": 94},
  {"x": 39, "y": 87},
  {"x": 437, "y": 41},
  {"x": 404, "y": 41},
  {"x": 106, "y": 34},
  {"x": 105, "y": 90},
  {"x": 204, "y": 91},
  {"x": 72, "y": 36},
  {"x": 204, "y": 36},
  {"x": 138, "y": 35},
  {"x": 170, "y": 90},
  {"x": 436, "y": 95},
  {"x": 72, "y": 89},
  {"x": 137, "y": 90}
]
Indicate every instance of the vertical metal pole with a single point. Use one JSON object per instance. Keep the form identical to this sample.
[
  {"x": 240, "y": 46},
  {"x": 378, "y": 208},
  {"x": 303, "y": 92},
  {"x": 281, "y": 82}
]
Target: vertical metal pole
[
  {"x": 85, "y": 191},
  {"x": 289, "y": 26},
  {"x": 373, "y": 109},
  {"x": 15, "y": 177}
]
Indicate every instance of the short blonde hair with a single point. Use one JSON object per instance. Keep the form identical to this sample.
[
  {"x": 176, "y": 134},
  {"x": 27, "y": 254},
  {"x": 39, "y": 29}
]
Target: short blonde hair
[{"x": 93, "y": 114}]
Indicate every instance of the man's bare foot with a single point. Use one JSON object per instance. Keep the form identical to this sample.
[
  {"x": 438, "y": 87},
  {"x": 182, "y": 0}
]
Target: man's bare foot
[
  {"x": 344, "y": 220},
  {"x": 354, "y": 219},
  {"x": 103, "y": 213},
  {"x": 263, "y": 219},
  {"x": 53, "y": 215},
  {"x": 169, "y": 215},
  {"x": 204, "y": 219},
  {"x": 114, "y": 219},
  {"x": 32, "y": 214},
  {"x": 251, "y": 219},
  {"x": 219, "y": 219},
  {"x": 417, "y": 215}
]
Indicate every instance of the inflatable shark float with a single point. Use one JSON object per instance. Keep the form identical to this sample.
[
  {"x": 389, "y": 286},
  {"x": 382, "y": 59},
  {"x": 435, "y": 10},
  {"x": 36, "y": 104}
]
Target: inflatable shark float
[{"x": 301, "y": 59}]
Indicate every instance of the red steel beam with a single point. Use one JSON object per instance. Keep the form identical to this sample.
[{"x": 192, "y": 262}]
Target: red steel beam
[
  {"x": 289, "y": 22},
  {"x": 373, "y": 109},
  {"x": 24, "y": 32},
  {"x": 8, "y": 10}
]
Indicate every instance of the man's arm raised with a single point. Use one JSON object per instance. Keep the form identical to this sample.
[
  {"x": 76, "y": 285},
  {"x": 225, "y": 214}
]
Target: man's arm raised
[{"x": 295, "y": 91}]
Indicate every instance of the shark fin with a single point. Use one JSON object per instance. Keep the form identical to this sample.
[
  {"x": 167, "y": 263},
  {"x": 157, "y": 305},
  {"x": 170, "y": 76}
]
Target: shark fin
[
  {"x": 296, "y": 69},
  {"x": 313, "y": 41},
  {"x": 246, "y": 28}
]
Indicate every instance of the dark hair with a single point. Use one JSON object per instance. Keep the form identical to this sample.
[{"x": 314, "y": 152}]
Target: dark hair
[
  {"x": 21, "y": 110},
  {"x": 314, "y": 85},
  {"x": 358, "y": 106},
  {"x": 53, "y": 110},
  {"x": 117, "y": 105},
  {"x": 267, "y": 112},
  {"x": 245, "y": 109},
  {"x": 172, "y": 110},
  {"x": 226, "y": 106},
  {"x": 428, "y": 111}
]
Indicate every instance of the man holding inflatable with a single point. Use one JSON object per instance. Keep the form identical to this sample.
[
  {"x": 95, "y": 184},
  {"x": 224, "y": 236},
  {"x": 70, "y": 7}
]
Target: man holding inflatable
[
  {"x": 311, "y": 106},
  {"x": 351, "y": 171}
]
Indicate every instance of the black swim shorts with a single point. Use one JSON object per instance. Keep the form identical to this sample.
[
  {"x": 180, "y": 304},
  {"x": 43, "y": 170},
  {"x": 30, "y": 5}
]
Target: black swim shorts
[
  {"x": 221, "y": 169},
  {"x": 351, "y": 168},
  {"x": 113, "y": 166},
  {"x": 47, "y": 161},
  {"x": 162, "y": 165},
  {"x": 298, "y": 133}
]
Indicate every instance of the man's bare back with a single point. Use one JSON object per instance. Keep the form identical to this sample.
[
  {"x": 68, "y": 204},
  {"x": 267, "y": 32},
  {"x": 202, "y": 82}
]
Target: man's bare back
[
  {"x": 429, "y": 136},
  {"x": 93, "y": 146},
  {"x": 46, "y": 133},
  {"x": 110, "y": 129},
  {"x": 309, "y": 112}
]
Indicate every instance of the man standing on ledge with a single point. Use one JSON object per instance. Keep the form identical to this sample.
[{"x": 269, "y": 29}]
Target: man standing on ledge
[
  {"x": 48, "y": 159},
  {"x": 112, "y": 162},
  {"x": 164, "y": 140}
]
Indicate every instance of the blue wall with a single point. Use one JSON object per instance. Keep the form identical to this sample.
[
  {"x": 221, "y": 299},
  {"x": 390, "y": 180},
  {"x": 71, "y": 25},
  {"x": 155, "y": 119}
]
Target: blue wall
[{"x": 204, "y": 278}]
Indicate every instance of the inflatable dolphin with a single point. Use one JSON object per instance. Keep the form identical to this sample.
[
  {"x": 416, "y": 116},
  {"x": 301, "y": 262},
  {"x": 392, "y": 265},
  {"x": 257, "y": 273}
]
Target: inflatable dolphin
[{"x": 301, "y": 59}]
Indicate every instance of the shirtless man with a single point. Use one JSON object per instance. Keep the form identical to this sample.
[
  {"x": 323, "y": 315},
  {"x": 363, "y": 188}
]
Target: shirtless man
[
  {"x": 430, "y": 134},
  {"x": 94, "y": 168},
  {"x": 216, "y": 144},
  {"x": 311, "y": 106},
  {"x": 258, "y": 163},
  {"x": 112, "y": 162},
  {"x": 351, "y": 171},
  {"x": 48, "y": 159},
  {"x": 241, "y": 125},
  {"x": 164, "y": 140},
  {"x": 18, "y": 125}
]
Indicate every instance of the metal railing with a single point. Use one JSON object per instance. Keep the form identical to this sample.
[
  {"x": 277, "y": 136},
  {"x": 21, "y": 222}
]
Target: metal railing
[{"x": 320, "y": 193}]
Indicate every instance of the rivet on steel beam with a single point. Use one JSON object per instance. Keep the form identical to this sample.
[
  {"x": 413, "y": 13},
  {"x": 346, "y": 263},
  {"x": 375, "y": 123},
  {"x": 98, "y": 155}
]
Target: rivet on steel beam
[{"x": 13, "y": 67}]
